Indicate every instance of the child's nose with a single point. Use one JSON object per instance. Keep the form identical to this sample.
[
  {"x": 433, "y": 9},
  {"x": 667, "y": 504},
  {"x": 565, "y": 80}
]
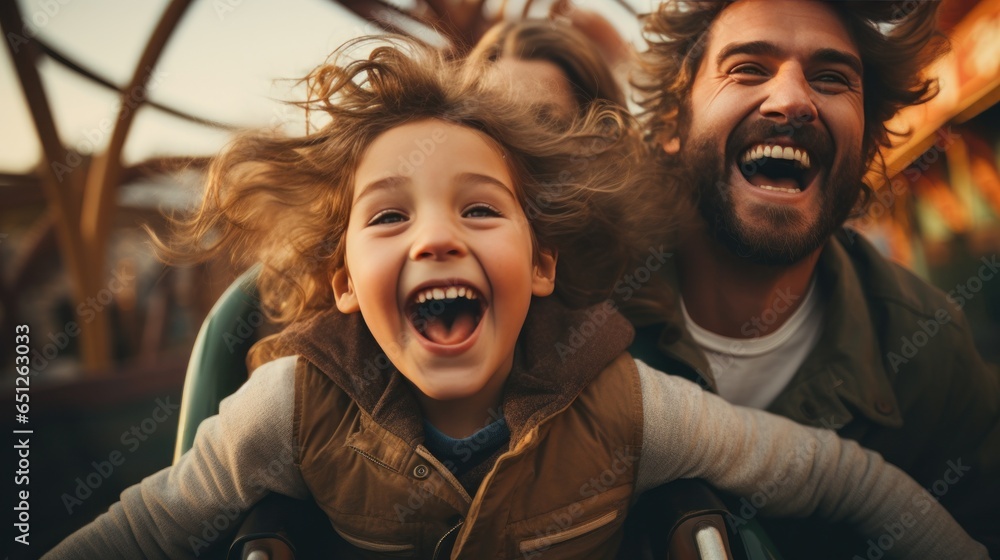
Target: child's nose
[{"x": 437, "y": 239}]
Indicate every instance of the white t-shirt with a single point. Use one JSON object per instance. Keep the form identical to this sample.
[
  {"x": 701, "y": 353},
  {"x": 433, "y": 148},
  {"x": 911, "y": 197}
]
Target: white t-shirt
[{"x": 753, "y": 371}]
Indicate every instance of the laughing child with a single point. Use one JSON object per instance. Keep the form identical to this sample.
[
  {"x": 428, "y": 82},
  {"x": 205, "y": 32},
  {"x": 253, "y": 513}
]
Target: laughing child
[{"x": 432, "y": 249}]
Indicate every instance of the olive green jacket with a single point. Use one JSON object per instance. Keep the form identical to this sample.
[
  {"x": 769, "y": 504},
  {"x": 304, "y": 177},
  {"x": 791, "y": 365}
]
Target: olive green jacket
[{"x": 895, "y": 369}]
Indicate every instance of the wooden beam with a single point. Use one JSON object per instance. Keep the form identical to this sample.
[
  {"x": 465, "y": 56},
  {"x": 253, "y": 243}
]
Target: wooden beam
[
  {"x": 59, "y": 171},
  {"x": 103, "y": 181},
  {"x": 81, "y": 69}
]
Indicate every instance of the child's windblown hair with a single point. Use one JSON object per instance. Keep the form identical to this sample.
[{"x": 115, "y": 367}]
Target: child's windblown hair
[{"x": 285, "y": 201}]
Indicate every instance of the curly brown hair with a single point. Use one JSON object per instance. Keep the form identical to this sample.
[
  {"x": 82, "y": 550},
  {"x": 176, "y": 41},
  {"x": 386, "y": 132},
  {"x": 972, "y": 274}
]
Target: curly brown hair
[
  {"x": 285, "y": 201},
  {"x": 896, "y": 41}
]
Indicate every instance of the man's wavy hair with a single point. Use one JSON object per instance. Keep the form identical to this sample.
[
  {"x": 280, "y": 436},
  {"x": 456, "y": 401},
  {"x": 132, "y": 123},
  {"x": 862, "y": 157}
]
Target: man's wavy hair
[
  {"x": 285, "y": 201},
  {"x": 896, "y": 41}
]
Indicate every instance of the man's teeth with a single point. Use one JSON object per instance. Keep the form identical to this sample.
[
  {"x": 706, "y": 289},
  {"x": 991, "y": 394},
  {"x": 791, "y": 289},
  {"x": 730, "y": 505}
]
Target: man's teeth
[
  {"x": 761, "y": 151},
  {"x": 450, "y": 292},
  {"x": 779, "y": 189}
]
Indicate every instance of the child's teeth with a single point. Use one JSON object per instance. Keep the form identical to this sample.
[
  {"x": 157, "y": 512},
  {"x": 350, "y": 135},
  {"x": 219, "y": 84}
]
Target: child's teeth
[{"x": 450, "y": 292}]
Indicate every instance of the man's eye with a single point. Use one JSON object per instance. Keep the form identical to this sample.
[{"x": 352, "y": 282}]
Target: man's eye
[
  {"x": 481, "y": 210},
  {"x": 831, "y": 82},
  {"x": 748, "y": 69},
  {"x": 387, "y": 217}
]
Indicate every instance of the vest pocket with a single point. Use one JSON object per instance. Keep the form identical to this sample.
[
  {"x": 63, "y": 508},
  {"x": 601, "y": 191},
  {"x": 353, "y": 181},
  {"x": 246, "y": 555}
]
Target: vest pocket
[
  {"x": 590, "y": 528},
  {"x": 540, "y": 543},
  {"x": 374, "y": 546}
]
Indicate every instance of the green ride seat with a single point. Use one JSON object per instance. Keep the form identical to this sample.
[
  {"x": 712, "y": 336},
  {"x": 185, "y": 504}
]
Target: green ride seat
[{"x": 217, "y": 367}]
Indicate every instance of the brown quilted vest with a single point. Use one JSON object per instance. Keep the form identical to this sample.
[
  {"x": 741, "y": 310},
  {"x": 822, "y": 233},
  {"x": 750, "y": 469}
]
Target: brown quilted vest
[{"x": 561, "y": 490}]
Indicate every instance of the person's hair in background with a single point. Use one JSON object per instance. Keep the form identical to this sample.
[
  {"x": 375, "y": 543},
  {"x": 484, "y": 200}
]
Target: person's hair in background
[
  {"x": 578, "y": 59},
  {"x": 896, "y": 44},
  {"x": 525, "y": 52}
]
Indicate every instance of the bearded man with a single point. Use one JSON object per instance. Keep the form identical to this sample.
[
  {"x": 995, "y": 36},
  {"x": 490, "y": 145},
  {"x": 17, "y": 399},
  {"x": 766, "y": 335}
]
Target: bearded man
[{"x": 771, "y": 113}]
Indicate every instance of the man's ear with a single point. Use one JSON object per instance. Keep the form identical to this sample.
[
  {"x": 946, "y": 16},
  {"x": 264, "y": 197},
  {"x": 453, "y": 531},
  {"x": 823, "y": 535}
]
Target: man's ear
[
  {"x": 672, "y": 145},
  {"x": 343, "y": 292},
  {"x": 543, "y": 280},
  {"x": 668, "y": 137}
]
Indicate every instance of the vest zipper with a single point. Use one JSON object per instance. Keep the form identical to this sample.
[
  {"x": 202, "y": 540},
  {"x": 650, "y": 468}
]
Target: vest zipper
[
  {"x": 437, "y": 548},
  {"x": 373, "y": 459}
]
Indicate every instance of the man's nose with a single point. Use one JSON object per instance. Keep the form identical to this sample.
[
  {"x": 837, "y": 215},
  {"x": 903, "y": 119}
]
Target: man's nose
[
  {"x": 789, "y": 98},
  {"x": 437, "y": 239}
]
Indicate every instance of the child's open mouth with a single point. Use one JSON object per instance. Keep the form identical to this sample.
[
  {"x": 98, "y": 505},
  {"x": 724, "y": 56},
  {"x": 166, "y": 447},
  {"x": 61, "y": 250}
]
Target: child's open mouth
[{"x": 446, "y": 315}]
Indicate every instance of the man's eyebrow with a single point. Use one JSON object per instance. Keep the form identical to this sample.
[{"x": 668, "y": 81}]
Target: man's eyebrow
[
  {"x": 386, "y": 183},
  {"x": 766, "y": 48},
  {"x": 840, "y": 57},
  {"x": 467, "y": 178}
]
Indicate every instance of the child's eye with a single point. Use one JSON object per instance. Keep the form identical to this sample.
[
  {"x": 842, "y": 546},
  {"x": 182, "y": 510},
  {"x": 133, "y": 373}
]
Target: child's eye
[
  {"x": 387, "y": 217},
  {"x": 481, "y": 210}
]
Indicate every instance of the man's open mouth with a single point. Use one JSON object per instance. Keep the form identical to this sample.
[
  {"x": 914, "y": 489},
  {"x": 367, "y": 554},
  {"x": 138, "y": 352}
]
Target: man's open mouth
[
  {"x": 446, "y": 315},
  {"x": 777, "y": 168}
]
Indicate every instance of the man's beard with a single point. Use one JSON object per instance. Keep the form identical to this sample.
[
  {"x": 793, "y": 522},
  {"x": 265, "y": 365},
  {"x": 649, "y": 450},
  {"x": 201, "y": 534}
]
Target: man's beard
[{"x": 765, "y": 237}]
